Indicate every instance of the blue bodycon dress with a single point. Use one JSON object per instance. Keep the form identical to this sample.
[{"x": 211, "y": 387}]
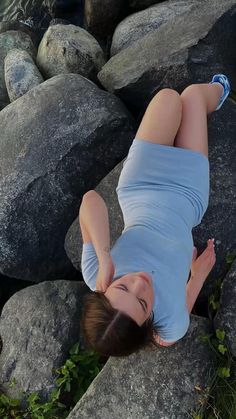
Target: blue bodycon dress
[{"x": 163, "y": 192}]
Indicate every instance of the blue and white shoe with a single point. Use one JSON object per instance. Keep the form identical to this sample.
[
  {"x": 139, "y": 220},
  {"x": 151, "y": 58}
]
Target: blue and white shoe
[{"x": 222, "y": 79}]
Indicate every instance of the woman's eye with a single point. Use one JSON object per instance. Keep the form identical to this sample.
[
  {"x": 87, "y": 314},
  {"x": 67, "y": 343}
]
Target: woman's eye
[{"x": 144, "y": 303}]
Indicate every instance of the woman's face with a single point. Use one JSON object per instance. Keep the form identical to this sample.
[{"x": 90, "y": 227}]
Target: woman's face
[{"x": 133, "y": 294}]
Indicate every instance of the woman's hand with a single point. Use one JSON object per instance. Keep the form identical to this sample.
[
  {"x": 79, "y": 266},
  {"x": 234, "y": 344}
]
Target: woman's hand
[
  {"x": 202, "y": 265},
  {"x": 105, "y": 274}
]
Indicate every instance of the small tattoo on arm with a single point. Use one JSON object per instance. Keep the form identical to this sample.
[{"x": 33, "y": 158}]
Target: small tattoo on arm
[{"x": 106, "y": 249}]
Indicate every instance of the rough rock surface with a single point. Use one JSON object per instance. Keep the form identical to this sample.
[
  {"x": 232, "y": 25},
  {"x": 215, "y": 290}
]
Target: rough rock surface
[
  {"x": 21, "y": 74},
  {"x": 175, "y": 56},
  {"x": 38, "y": 326},
  {"x": 8, "y": 41},
  {"x": 226, "y": 316},
  {"x": 15, "y": 25},
  {"x": 70, "y": 135},
  {"x": 151, "y": 384},
  {"x": 69, "y": 49},
  {"x": 137, "y": 25}
]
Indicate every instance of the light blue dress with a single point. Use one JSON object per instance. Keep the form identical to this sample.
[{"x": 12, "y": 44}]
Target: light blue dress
[{"x": 163, "y": 192}]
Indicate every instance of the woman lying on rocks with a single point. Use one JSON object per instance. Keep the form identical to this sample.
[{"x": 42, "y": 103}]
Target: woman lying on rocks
[{"x": 142, "y": 293}]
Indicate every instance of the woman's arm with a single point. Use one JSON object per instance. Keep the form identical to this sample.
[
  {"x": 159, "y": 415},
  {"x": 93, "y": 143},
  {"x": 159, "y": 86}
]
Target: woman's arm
[
  {"x": 193, "y": 288},
  {"x": 93, "y": 215},
  {"x": 200, "y": 269}
]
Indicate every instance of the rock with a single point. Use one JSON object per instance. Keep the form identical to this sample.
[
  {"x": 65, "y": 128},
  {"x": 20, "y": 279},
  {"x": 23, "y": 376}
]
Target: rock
[
  {"x": 137, "y": 25},
  {"x": 38, "y": 326},
  {"x": 21, "y": 73},
  {"x": 15, "y": 25},
  {"x": 143, "y": 4},
  {"x": 226, "y": 317},
  {"x": 101, "y": 17},
  {"x": 57, "y": 21},
  {"x": 69, "y": 49},
  {"x": 10, "y": 286},
  {"x": 151, "y": 384},
  {"x": 71, "y": 134},
  {"x": 8, "y": 41},
  {"x": 175, "y": 54}
]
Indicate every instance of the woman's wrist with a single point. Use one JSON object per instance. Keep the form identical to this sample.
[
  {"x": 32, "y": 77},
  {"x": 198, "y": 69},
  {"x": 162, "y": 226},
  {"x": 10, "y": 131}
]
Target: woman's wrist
[{"x": 104, "y": 255}]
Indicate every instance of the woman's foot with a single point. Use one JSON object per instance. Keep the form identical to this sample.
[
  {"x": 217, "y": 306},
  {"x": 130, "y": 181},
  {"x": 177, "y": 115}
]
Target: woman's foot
[
  {"x": 202, "y": 265},
  {"x": 224, "y": 81}
]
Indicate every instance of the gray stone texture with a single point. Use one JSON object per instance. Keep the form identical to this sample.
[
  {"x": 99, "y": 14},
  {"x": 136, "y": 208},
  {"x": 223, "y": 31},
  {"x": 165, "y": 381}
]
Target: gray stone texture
[
  {"x": 69, "y": 49},
  {"x": 154, "y": 383},
  {"x": 137, "y": 25},
  {"x": 8, "y": 41},
  {"x": 38, "y": 326},
  {"x": 15, "y": 25},
  {"x": 21, "y": 74},
  {"x": 226, "y": 316},
  {"x": 175, "y": 54},
  {"x": 67, "y": 136}
]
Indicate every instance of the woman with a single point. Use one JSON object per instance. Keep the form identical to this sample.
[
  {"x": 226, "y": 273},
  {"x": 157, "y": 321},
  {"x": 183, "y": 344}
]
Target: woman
[{"x": 142, "y": 293}]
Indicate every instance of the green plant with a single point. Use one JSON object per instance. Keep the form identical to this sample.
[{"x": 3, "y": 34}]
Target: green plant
[
  {"x": 218, "y": 401},
  {"x": 73, "y": 379}
]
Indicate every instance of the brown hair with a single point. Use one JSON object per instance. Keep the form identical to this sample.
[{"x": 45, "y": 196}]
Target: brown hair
[{"x": 111, "y": 332}]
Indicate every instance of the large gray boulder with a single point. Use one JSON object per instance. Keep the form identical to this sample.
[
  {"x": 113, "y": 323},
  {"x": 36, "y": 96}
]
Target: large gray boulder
[
  {"x": 226, "y": 316},
  {"x": 21, "y": 74},
  {"x": 15, "y": 25},
  {"x": 38, "y": 326},
  {"x": 8, "y": 41},
  {"x": 69, "y": 49},
  {"x": 152, "y": 384},
  {"x": 137, "y": 25},
  {"x": 188, "y": 48},
  {"x": 67, "y": 136}
]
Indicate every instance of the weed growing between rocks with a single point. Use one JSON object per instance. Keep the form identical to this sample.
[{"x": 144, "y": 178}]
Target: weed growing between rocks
[
  {"x": 218, "y": 401},
  {"x": 74, "y": 378}
]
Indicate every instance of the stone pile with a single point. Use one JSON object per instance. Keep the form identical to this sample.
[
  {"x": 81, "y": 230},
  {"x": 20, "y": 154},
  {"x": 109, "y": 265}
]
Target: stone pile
[{"x": 70, "y": 106}]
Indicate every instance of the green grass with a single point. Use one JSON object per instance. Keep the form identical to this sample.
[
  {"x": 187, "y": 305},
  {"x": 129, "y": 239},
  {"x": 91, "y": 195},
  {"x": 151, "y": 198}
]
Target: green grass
[{"x": 218, "y": 401}]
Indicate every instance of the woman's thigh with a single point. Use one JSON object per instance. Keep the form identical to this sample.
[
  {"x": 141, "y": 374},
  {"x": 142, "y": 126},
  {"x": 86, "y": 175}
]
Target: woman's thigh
[
  {"x": 193, "y": 130},
  {"x": 162, "y": 118}
]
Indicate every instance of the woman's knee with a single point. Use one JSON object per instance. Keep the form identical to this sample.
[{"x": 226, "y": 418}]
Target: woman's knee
[
  {"x": 168, "y": 96},
  {"x": 193, "y": 90}
]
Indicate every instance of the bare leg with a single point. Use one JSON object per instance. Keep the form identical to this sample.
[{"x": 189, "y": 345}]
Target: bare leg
[
  {"x": 198, "y": 101},
  {"x": 162, "y": 118}
]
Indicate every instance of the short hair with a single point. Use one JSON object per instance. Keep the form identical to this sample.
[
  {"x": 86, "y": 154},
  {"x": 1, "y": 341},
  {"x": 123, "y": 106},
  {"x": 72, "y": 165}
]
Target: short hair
[{"x": 111, "y": 332}]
